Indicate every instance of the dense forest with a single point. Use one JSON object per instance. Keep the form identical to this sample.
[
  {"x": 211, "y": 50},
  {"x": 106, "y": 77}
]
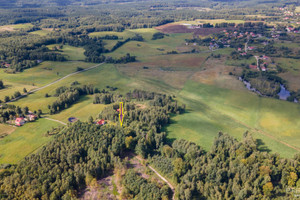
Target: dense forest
[{"x": 84, "y": 151}]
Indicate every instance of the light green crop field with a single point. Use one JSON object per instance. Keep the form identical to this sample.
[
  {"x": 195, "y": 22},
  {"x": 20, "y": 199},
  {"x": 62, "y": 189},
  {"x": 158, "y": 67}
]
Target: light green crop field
[
  {"x": 25, "y": 140},
  {"x": 41, "y": 32},
  {"x": 213, "y": 109}
]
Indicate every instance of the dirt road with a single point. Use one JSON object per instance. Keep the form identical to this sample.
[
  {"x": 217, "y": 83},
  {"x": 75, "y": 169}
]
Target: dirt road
[{"x": 161, "y": 177}]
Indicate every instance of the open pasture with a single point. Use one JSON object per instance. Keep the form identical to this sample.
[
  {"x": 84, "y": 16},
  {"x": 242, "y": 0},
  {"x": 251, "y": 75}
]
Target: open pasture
[
  {"x": 213, "y": 109},
  {"x": 25, "y": 140}
]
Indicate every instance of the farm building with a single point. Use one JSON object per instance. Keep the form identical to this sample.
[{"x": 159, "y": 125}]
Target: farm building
[
  {"x": 31, "y": 117},
  {"x": 19, "y": 121}
]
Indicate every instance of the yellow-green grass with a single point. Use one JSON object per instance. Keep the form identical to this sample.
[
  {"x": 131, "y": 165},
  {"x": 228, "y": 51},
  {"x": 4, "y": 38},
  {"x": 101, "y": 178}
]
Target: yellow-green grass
[
  {"x": 6, "y": 129},
  {"x": 15, "y": 27},
  {"x": 212, "y": 109},
  {"x": 70, "y": 52},
  {"x": 73, "y": 53},
  {"x": 41, "y": 32},
  {"x": 109, "y": 44},
  {"x": 82, "y": 110},
  {"x": 25, "y": 140}
]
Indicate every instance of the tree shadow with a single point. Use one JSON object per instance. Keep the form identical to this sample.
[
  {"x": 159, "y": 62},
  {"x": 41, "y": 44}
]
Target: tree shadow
[{"x": 261, "y": 146}]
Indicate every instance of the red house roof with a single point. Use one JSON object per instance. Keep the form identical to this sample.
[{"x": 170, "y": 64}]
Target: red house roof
[
  {"x": 101, "y": 122},
  {"x": 19, "y": 119}
]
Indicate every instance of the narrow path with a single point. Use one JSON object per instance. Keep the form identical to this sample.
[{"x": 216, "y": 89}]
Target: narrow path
[
  {"x": 63, "y": 123},
  {"x": 161, "y": 177},
  {"x": 37, "y": 89}
]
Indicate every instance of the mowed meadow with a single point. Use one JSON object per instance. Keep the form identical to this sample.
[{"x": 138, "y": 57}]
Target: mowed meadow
[{"x": 215, "y": 101}]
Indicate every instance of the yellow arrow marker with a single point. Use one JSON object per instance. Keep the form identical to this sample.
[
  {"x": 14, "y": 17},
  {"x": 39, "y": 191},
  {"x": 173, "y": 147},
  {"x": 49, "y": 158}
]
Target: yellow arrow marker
[{"x": 121, "y": 113}]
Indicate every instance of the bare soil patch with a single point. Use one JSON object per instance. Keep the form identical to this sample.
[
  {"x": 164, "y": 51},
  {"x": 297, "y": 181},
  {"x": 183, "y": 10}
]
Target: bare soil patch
[{"x": 103, "y": 190}]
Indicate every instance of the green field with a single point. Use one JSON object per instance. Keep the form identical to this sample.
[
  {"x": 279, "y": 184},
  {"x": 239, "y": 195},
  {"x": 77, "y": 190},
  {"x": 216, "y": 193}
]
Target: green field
[
  {"x": 213, "y": 109},
  {"x": 71, "y": 53},
  {"x": 82, "y": 110},
  {"x": 24, "y": 140}
]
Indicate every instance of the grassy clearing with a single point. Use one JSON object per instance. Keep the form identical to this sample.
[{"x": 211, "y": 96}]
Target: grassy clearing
[
  {"x": 109, "y": 44},
  {"x": 24, "y": 140},
  {"x": 73, "y": 53},
  {"x": 41, "y": 32},
  {"x": 213, "y": 109},
  {"x": 82, "y": 110}
]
